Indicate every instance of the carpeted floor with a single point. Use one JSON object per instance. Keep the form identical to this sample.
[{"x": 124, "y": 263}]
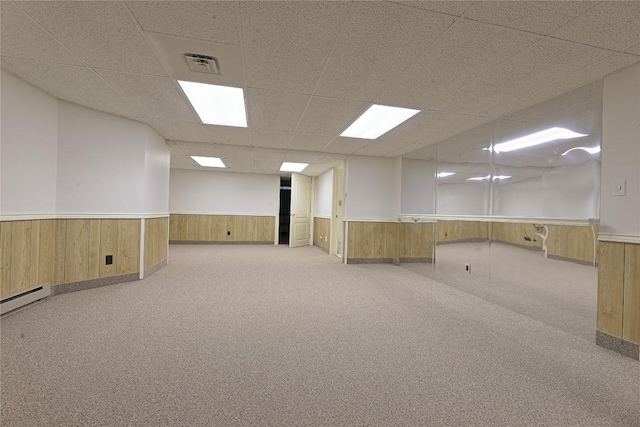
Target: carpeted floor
[
  {"x": 560, "y": 293},
  {"x": 267, "y": 335}
]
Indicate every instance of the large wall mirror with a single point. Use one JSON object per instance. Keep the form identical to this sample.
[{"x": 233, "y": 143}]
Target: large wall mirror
[{"x": 510, "y": 210}]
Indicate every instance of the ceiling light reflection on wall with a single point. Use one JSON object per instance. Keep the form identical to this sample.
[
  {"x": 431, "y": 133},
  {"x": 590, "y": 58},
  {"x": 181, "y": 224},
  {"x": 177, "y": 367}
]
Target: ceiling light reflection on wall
[
  {"x": 378, "y": 120},
  {"x": 542, "y": 137},
  {"x": 216, "y": 105},
  {"x": 293, "y": 167},
  {"x": 483, "y": 178},
  {"x": 592, "y": 150},
  {"x": 445, "y": 174},
  {"x": 209, "y": 162}
]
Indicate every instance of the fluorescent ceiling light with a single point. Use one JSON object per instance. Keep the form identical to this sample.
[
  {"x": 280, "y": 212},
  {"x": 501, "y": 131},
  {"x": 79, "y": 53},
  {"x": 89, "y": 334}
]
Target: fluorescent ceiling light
[
  {"x": 293, "y": 167},
  {"x": 592, "y": 150},
  {"x": 444, "y": 174},
  {"x": 378, "y": 120},
  {"x": 216, "y": 105},
  {"x": 547, "y": 135},
  {"x": 209, "y": 162},
  {"x": 483, "y": 178}
]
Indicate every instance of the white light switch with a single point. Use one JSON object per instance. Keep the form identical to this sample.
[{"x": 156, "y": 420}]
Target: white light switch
[{"x": 620, "y": 187}]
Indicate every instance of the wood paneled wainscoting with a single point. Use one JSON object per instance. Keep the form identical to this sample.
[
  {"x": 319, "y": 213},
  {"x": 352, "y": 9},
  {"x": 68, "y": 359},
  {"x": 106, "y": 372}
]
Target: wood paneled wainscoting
[
  {"x": 74, "y": 254},
  {"x": 417, "y": 241},
  {"x": 322, "y": 232},
  {"x": 203, "y": 228},
  {"x": 372, "y": 242},
  {"x": 619, "y": 297}
]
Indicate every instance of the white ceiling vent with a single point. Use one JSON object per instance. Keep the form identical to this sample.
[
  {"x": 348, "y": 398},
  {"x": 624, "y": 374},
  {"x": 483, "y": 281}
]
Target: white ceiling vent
[{"x": 203, "y": 63}]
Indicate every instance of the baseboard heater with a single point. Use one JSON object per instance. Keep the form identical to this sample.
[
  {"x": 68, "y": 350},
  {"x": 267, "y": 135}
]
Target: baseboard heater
[{"x": 22, "y": 298}]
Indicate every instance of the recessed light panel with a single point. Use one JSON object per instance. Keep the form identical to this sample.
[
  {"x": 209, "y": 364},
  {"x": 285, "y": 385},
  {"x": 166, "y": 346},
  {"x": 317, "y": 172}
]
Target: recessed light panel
[
  {"x": 216, "y": 105},
  {"x": 542, "y": 137},
  {"x": 293, "y": 167},
  {"x": 209, "y": 162},
  {"x": 378, "y": 120}
]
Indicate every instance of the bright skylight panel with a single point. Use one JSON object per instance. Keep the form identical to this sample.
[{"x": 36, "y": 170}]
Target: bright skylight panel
[
  {"x": 378, "y": 120},
  {"x": 293, "y": 167},
  {"x": 209, "y": 162},
  {"x": 445, "y": 174},
  {"x": 590, "y": 150},
  {"x": 542, "y": 137},
  {"x": 216, "y": 105}
]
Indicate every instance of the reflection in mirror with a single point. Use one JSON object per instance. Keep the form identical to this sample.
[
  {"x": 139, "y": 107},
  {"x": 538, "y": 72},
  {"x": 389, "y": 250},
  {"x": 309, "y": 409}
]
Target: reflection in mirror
[
  {"x": 417, "y": 225},
  {"x": 543, "y": 236},
  {"x": 515, "y": 207}
]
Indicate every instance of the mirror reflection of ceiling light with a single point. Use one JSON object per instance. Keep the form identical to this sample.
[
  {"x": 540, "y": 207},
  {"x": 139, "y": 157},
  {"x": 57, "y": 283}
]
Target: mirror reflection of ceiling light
[
  {"x": 293, "y": 167},
  {"x": 209, "y": 162},
  {"x": 216, "y": 105},
  {"x": 590, "y": 150},
  {"x": 378, "y": 120},
  {"x": 542, "y": 137},
  {"x": 445, "y": 174},
  {"x": 483, "y": 178}
]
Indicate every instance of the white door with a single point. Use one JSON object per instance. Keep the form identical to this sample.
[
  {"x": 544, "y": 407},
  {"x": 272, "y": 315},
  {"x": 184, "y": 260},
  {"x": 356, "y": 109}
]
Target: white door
[{"x": 300, "y": 227}]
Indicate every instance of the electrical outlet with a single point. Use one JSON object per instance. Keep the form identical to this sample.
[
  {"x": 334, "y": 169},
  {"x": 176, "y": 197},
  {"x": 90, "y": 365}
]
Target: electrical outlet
[
  {"x": 620, "y": 187},
  {"x": 228, "y": 233},
  {"x": 467, "y": 268},
  {"x": 108, "y": 260}
]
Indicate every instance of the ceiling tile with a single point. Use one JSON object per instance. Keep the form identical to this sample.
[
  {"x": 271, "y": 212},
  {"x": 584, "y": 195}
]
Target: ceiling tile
[
  {"x": 633, "y": 49},
  {"x": 266, "y": 165},
  {"x": 100, "y": 33},
  {"x": 28, "y": 78},
  {"x": 342, "y": 145},
  {"x": 275, "y": 110},
  {"x": 466, "y": 51},
  {"x": 546, "y": 61},
  {"x": 180, "y": 130},
  {"x": 22, "y": 38},
  {"x": 213, "y": 21},
  {"x": 298, "y": 157},
  {"x": 379, "y": 42},
  {"x": 327, "y": 116},
  {"x": 379, "y": 147},
  {"x": 408, "y": 148},
  {"x": 309, "y": 142},
  {"x": 556, "y": 87},
  {"x": 268, "y": 155},
  {"x": 157, "y": 97},
  {"x": 456, "y": 8},
  {"x": 540, "y": 17},
  {"x": 238, "y": 163},
  {"x": 229, "y": 135},
  {"x": 611, "y": 25},
  {"x": 79, "y": 85},
  {"x": 287, "y": 43},
  {"x": 270, "y": 138}
]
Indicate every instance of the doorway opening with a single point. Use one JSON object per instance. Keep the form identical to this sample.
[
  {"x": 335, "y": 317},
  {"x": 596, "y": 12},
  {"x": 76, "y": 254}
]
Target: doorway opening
[{"x": 285, "y": 210}]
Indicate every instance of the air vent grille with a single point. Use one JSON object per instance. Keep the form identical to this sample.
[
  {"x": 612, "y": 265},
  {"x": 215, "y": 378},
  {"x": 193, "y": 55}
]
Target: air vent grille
[{"x": 203, "y": 63}]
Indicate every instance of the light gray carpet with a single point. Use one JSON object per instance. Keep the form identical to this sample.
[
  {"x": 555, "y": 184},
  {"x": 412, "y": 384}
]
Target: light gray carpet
[
  {"x": 260, "y": 336},
  {"x": 560, "y": 293}
]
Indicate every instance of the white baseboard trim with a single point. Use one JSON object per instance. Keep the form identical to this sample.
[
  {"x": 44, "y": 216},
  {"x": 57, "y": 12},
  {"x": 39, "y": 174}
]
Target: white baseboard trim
[
  {"x": 80, "y": 215},
  {"x": 619, "y": 238}
]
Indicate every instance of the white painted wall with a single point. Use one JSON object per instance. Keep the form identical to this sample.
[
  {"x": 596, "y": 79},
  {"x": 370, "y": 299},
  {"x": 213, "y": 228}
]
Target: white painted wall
[
  {"x": 468, "y": 198},
  {"x": 101, "y": 162},
  {"x": 372, "y": 188},
  {"x": 323, "y": 194},
  {"x": 418, "y": 186},
  {"x": 156, "y": 165},
  {"x": 621, "y": 152},
  {"x": 28, "y": 148},
  {"x": 210, "y": 192}
]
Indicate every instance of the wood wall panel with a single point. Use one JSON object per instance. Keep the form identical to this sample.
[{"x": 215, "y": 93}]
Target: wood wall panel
[
  {"x": 94, "y": 249},
  {"x": 611, "y": 287},
  {"x": 216, "y": 228},
  {"x": 46, "y": 252},
  {"x": 20, "y": 256},
  {"x": 127, "y": 258},
  {"x": 454, "y": 230},
  {"x": 321, "y": 232},
  {"x": 416, "y": 240},
  {"x": 155, "y": 241},
  {"x": 372, "y": 240},
  {"x": 5, "y": 257},
  {"x": 512, "y": 232},
  {"x": 76, "y": 250},
  {"x": 571, "y": 241},
  {"x": 631, "y": 302},
  {"x": 108, "y": 246}
]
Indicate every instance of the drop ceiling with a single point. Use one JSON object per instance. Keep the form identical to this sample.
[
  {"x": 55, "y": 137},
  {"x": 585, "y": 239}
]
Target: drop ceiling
[{"x": 310, "y": 68}]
